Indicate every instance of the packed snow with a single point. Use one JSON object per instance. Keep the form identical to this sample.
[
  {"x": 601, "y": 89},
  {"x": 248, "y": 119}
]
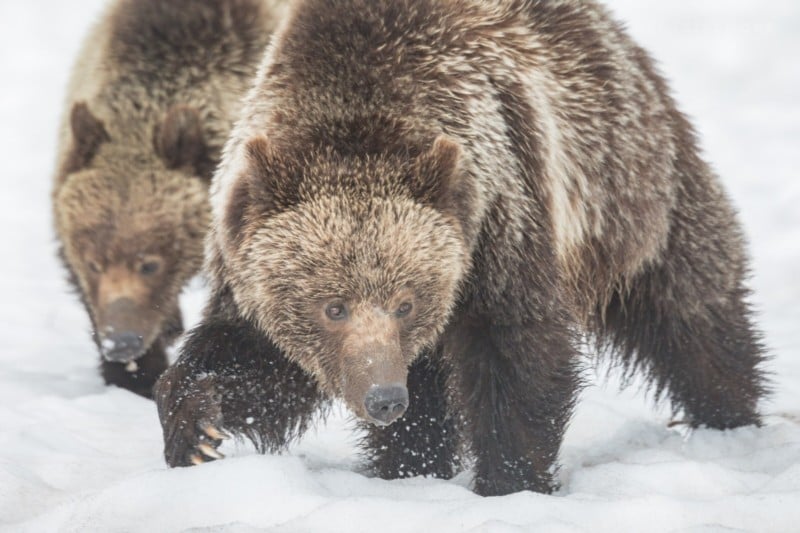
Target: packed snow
[{"x": 76, "y": 455}]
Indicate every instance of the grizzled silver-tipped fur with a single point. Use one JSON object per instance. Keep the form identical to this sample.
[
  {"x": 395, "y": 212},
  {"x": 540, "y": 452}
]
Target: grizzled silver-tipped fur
[
  {"x": 152, "y": 98},
  {"x": 449, "y": 193}
]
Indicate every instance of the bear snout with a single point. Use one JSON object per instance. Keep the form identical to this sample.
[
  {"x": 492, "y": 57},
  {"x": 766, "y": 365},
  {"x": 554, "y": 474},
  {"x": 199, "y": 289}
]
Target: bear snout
[
  {"x": 122, "y": 347},
  {"x": 386, "y": 403},
  {"x": 374, "y": 385},
  {"x": 123, "y": 330}
]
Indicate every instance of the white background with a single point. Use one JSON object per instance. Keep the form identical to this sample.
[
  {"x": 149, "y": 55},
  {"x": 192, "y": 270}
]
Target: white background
[{"x": 77, "y": 456}]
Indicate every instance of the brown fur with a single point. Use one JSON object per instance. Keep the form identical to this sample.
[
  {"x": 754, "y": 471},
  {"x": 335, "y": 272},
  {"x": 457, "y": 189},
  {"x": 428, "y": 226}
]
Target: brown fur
[
  {"x": 516, "y": 166},
  {"x": 153, "y": 96}
]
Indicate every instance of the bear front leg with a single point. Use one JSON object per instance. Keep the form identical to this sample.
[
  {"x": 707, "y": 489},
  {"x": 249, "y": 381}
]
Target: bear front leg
[
  {"x": 229, "y": 375},
  {"x": 515, "y": 387},
  {"x": 423, "y": 441}
]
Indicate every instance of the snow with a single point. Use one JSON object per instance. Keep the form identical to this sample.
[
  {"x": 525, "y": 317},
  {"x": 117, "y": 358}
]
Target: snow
[{"x": 78, "y": 456}]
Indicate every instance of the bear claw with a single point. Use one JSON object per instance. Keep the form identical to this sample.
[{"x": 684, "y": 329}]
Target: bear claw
[
  {"x": 196, "y": 459},
  {"x": 209, "y": 451},
  {"x": 215, "y": 433}
]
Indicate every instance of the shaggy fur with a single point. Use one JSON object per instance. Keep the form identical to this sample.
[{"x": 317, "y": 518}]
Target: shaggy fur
[
  {"x": 152, "y": 98},
  {"x": 517, "y": 171}
]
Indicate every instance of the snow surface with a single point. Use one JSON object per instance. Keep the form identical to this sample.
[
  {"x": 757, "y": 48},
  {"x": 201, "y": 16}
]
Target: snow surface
[{"x": 78, "y": 456}]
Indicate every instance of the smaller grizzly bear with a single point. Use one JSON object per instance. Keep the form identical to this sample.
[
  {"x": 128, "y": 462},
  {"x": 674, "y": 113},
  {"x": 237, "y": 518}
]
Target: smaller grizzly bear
[
  {"x": 423, "y": 207},
  {"x": 151, "y": 101}
]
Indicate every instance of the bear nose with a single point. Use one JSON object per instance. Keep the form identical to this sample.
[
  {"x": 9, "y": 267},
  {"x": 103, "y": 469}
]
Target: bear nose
[
  {"x": 121, "y": 347},
  {"x": 385, "y": 403}
]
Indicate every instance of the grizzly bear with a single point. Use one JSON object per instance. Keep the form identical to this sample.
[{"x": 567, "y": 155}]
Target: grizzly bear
[
  {"x": 425, "y": 210},
  {"x": 152, "y": 98}
]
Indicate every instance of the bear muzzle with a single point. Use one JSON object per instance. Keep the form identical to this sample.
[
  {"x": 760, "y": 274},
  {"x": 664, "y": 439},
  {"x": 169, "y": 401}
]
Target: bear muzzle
[
  {"x": 386, "y": 403},
  {"x": 374, "y": 386},
  {"x": 122, "y": 347},
  {"x": 122, "y": 332}
]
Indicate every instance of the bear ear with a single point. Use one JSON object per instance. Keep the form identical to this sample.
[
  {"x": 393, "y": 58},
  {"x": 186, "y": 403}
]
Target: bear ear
[
  {"x": 438, "y": 173},
  {"x": 255, "y": 190},
  {"x": 271, "y": 175},
  {"x": 179, "y": 141},
  {"x": 88, "y": 134},
  {"x": 261, "y": 158}
]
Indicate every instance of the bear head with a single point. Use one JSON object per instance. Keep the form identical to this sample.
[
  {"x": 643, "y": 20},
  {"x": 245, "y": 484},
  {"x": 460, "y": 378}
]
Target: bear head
[
  {"x": 350, "y": 264},
  {"x": 132, "y": 227}
]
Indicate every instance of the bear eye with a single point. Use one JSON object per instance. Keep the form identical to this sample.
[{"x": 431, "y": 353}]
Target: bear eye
[
  {"x": 148, "y": 268},
  {"x": 336, "y": 311},
  {"x": 404, "y": 309}
]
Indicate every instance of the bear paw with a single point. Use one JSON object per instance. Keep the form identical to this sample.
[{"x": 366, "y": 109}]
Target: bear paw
[{"x": 192, "y": 420}]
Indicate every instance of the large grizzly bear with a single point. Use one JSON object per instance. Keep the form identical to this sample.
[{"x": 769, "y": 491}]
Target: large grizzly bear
[
  {"x": 426, "y": 207},
  {"x": 152, "y": 98}
]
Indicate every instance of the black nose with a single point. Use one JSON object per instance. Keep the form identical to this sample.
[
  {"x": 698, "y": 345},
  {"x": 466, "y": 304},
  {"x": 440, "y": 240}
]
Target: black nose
[
  {"x": 121, "y": 347},
  {"x": 385, "y": 403}
]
